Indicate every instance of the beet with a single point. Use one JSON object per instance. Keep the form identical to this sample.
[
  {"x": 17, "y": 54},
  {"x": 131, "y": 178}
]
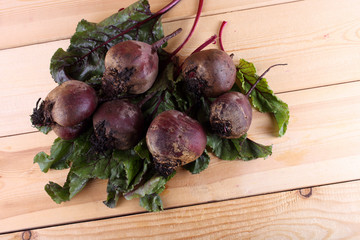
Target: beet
[
  {"x": 71, "y": 103},
  {"x": 68, "y": 133},
  {"x": 209, "y": 72},
  {"x": 118, "y": 124},
  {"x": 174, "y": 139},
  {"x": 132, "y": 66},
  {"x": 65, "y": 108},
  {"x": 231, "y": 115}
]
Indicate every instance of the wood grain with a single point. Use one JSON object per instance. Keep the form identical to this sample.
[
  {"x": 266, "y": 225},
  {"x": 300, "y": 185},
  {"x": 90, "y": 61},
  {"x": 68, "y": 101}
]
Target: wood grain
[
  {"x": 317, "y": 149},
  {"x": 29, "y": 21},
  {"x": 327, "y": 212},
  {"x": 325, "y": 50}
]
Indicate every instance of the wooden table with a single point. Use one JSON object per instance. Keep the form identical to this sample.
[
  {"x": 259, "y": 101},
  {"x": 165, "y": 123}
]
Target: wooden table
[{"x": 308, "y": 189}]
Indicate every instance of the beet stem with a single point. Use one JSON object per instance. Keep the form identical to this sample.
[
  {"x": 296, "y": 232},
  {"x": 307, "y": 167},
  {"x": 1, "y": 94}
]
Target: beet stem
[
  {"x": 220, "y": 35},
  {"x": 155, "y": 15},
  {"x": 145, "y": 99},
  {"x": 261, "y": 76},
  {"x": 202, "y": 46},
  {"x": 155, "y": 46},
  {"x": 197, "y": 17}
]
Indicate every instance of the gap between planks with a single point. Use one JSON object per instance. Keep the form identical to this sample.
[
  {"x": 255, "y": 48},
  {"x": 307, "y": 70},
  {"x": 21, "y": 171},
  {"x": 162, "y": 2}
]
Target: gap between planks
[{"x": 212, "y": 212}]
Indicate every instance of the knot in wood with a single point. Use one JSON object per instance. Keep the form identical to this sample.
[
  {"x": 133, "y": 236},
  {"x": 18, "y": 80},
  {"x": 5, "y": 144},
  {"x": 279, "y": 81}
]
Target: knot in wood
[
  {"x": 305, "y": 192},
  {"x": 26, "y": 235}
]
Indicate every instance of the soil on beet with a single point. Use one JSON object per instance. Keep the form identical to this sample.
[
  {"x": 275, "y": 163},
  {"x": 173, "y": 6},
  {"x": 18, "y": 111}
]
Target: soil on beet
[
  {"x": 115, "y": 82},
  {"x": 100, "y": 141},
  {"x": 41, "y": 115}
]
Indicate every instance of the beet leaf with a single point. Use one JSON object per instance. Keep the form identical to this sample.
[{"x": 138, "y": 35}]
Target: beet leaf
[
  {"x": 71, "y": 64},
  {"x": 262, "y": 98}
]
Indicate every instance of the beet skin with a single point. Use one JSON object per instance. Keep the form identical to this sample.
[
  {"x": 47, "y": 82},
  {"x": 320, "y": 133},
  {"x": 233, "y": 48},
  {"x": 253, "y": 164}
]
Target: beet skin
[{"x": 174, "y": 139}]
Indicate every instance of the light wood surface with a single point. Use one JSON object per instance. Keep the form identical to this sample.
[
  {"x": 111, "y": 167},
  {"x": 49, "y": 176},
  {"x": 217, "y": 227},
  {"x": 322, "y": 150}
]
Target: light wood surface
[
  {"x": 328, "y": 212},
  {"x": 30, "y": 21},
  {"x": 319, "y": 39}
]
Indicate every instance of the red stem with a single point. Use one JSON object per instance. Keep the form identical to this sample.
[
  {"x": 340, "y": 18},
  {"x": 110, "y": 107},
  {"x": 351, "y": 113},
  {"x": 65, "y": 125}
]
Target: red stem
[
  {"x": 220, "y": 35},
  {"x": 201, "y": 2},
  {"x": 155, "y": 46},
  {"x": 261, "y": 76},
  {"x": 202, "y": 46},
  {"x": 155, "y": 15}
]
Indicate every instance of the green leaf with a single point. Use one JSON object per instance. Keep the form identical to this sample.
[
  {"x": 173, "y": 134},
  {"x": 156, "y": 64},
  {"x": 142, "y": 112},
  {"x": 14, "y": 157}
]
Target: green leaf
[
  {"x": 151, "y": 202},
  {"x": 43, "y": 129},
  {"x": 58, "y": 158},
  {"x": 222, "y": 148},
  {"x": 127, "y": 171},
  {"x": 237, "y": 149},
  {"x": 71, "y": 64},
  {"x": 199, "y": 164},
  {"x": 160, "y": 102},
  {"x": 262, "y": 97},
  {"x": 112, "y": 197},
  {"x": 73, "y": 185},
  {"x": 156, "y": 184},
  {"x": 251, "y": 150},
  {"x": 142, "y": 150},
  {"x": 165, "y": 80}
]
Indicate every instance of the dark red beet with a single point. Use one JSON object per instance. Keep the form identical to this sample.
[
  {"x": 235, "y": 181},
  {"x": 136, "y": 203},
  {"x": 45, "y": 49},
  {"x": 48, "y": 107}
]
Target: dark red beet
[
  {"x": 231, "y": 115},
  {"x": 174, "y": 139},
  {"x": 68, "y": 133},
  {"x": 209, "y": 72},
  {"x": 71, "y": 103},
  {"x": 119, "y": 124},
  {"x": 131, "y": 67}
]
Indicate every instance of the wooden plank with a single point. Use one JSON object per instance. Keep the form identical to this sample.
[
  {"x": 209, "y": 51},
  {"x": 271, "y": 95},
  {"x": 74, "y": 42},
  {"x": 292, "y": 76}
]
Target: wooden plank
[
  {"x": 29, "y": 22},
  {"x": 317, "y": 149},
  {"x": 320, "y": 51},
  {"x": 327, "y": 212}
]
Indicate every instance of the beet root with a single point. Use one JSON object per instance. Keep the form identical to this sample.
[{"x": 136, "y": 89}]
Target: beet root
[
  {"x": 118, "y": 124},
  {"x": 174, "y": 139},
  {"x": 209, "y": 72},
  {"x": 231, "y": 115},
  {"x": 130, "y": 67},
  {"x": 71, "y": 103},
  {"x": 68, "y": 133}
]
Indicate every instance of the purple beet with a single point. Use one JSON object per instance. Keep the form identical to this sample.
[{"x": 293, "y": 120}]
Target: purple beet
[
  {"x": 174, "y": 139},
  {"x": 118, "y": 124},
  {"x": 209, "y": 72}
]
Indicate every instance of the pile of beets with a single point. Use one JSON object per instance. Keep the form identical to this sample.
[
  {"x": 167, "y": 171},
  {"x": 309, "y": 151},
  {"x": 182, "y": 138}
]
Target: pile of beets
[{"x": 131, "y": 68}]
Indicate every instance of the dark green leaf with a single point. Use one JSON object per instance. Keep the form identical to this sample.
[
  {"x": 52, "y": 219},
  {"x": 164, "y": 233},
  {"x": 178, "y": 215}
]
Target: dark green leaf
[
  {"x": 240, "y": 148},
  {"x": 127, "y": 170},
  {"x": 57, "y": 193},
  {"x": 112, "y": 197},
  {"x": 43, "y": 129},
  {"x": 142, "y": 150},
  {"x": 262, "y": 98},
  {"x": 151, "y": 202},
  {"x": 160, "y": 102},
  {"x": 72, "y": 186},
  {"x": 222, "y": 148},
  {"x": 251, "y": 150},
  {"x": 156, "y": 184},
  {"x": 88, "y": 36},
  {"x": 58, "y": 158},
  {"x": 165, "y": 80},
  {"x": 199, "y": 164}
]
